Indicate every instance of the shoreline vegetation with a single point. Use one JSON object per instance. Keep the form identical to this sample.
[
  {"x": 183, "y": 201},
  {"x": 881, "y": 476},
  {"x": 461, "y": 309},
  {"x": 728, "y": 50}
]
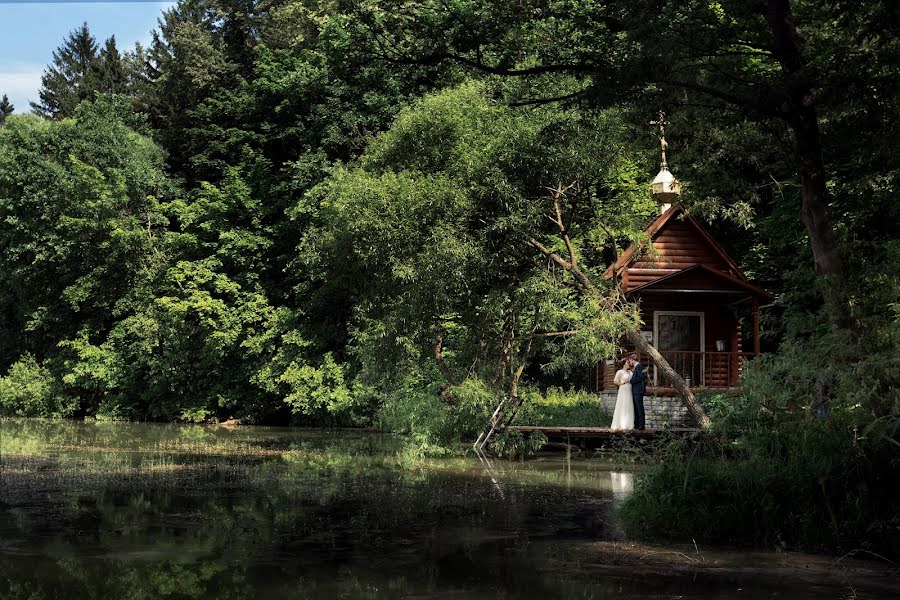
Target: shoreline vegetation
[
  {"x": 316, "y": 214},
  {"x": 769, "y": 485}
]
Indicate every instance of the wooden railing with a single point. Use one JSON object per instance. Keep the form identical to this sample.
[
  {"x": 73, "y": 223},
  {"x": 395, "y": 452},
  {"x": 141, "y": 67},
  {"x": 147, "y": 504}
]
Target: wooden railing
[{"x": 706, "y": 369}]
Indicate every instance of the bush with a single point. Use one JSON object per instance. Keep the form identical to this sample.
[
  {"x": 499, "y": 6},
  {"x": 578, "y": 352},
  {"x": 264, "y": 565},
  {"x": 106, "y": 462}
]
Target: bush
[
  {"x": 564, "y": 408},
  {"x": 438, "y": 414},
  {"x": 777, "y": 479},
  {"x": 512, "y": 444},
  {"x": 29, "y": 390}
]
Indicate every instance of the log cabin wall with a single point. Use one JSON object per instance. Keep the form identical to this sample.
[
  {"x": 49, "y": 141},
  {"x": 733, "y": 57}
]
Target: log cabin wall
[{"x": 608, "y": 373}]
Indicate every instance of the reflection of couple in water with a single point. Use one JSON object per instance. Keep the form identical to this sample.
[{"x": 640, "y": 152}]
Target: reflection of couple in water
[
  {"x": 622, "y": 484},
  {"x": 631, "y": 379}
]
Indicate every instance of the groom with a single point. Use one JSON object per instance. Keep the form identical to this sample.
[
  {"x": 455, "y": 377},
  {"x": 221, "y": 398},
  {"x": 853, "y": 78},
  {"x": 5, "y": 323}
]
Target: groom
[{"x": 638, "y": 387}]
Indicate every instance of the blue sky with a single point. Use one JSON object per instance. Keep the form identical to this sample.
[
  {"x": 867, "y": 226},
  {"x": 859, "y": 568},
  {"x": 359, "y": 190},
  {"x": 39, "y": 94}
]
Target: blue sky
[{"x": 31, "y": 31}]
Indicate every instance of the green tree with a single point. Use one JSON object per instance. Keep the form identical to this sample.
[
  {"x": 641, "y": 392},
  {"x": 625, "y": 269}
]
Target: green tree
[
  {"x": 442, "y": 227},
  {"x": 186, "y": 62},
  {"x": 6, "y": 109},
  {"x": 112, "y": 74},
  {"x": 78, "y": 207},
  {"x": 303, "y": 105},
  {"x": 71, "y": 78}
]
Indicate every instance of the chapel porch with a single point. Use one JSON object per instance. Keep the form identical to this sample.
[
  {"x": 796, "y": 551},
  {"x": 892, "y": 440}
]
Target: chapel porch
[
  {"x": 714, "y": 371},
  {"x": 711, "y": 371}
]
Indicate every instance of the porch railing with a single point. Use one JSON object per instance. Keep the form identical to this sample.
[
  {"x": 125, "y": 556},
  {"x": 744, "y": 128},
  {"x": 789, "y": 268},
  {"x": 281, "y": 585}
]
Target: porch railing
[{"x": 706, "y": 369}]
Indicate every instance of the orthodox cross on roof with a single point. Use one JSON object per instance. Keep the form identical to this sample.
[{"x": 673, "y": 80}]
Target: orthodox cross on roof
[
  {"x": 661, "y": 122},
  {"x": 666, "y": 188}
]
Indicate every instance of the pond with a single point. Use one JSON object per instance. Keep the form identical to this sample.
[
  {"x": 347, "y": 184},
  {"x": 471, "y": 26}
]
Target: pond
[{"x": 114, "y": 510}]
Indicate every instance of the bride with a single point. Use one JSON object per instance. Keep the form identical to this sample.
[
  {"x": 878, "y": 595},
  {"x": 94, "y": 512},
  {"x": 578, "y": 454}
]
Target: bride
[{"x": 623, "y": 416}]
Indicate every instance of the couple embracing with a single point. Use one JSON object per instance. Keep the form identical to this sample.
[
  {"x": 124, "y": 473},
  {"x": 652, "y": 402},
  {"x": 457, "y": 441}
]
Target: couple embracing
[{"x": 631, "y": 379}]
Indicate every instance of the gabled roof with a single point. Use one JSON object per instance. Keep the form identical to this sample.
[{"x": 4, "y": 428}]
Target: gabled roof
[
  {"x": 659, "y": 225},
  {"x": 703, "y": 269}
]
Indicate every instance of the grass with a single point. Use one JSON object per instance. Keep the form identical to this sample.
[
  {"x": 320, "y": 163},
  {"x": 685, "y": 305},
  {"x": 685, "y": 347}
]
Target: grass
[{"x": 562, "y": 408}]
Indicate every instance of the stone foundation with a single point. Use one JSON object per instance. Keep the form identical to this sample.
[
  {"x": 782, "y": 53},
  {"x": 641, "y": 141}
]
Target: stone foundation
[{"x": 659, "y": 411}]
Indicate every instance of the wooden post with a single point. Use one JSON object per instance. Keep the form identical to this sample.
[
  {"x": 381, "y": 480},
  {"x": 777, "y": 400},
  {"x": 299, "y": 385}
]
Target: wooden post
[
  {"x": 756, "y": 327},
  {"x": 734, "y": 356}
]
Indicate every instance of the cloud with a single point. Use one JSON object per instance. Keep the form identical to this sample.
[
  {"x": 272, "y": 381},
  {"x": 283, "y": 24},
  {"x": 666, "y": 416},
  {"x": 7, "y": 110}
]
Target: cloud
[{"x": 21, "y": 83}]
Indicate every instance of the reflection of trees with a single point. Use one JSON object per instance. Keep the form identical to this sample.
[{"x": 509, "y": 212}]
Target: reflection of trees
[{"x": 199, "y": 513}]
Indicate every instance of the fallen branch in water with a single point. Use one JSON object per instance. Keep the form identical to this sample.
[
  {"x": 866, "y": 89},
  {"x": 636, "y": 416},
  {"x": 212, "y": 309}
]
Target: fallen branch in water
[
  {"x": 671, "y": 552},
  {"x": 856, "y": 550}
]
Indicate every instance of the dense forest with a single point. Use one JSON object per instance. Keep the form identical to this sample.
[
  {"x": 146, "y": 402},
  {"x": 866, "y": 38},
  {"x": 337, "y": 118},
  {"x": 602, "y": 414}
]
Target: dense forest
[{"x": 329, "y": 212}]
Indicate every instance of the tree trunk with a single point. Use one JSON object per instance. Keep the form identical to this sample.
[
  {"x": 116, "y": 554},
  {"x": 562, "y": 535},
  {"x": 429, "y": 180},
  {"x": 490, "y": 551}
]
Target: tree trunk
[
  {"x": 803, "y": 120},
  {"x": 814, "y": 215},
  {"x": 687, "y": 396}
]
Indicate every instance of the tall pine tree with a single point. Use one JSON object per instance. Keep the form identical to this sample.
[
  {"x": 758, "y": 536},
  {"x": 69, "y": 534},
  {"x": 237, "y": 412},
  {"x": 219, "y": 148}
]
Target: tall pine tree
[
  {"x": 71, "y": 78},
  {"x": 6, "y": 109},
  {"x": 112, "y": 77}
]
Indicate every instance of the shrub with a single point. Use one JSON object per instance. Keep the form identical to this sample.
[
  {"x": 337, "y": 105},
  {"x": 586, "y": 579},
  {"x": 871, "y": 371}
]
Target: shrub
[
  {"x": 565, "y": 408},
  {"x": 776, "y": 480},
  {"x": 439, "y": 414},
  {"x": 512, "y": 444},
  {"x": 29, "y": 390}
]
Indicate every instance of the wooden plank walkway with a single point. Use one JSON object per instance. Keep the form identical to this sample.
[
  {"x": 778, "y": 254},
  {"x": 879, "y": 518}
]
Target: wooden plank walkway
[{"x": 601, "y": 432}]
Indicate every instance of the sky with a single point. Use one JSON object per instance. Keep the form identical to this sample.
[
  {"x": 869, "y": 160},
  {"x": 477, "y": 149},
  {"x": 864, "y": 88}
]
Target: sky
[{"x": 31, "y": 30}]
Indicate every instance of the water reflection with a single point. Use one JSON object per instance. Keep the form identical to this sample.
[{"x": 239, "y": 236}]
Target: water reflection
[
  {"x": 622, "y": 484},
  {"x": 149, "y": 511},
  {"x": 153, "y": 511}
]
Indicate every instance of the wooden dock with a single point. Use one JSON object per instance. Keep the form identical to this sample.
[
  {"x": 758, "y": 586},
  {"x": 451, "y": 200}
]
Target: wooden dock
[{"x": 603, "y": 433}]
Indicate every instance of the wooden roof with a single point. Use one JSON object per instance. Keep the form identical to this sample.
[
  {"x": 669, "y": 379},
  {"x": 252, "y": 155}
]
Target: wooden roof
[
  {"x": 678, "y": 246},
  {"x": 700, "y": 278}
]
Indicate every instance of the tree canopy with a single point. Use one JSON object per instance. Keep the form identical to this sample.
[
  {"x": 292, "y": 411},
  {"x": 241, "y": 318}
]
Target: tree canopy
[
  {"x": 434, "y": 227},
  {"x": 775, "y": 63},
  {"x": 288, "y": 212}
]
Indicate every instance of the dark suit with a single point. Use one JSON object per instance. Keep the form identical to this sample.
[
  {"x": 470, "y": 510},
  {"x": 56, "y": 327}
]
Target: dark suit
[{"x": 638, "y": 389}]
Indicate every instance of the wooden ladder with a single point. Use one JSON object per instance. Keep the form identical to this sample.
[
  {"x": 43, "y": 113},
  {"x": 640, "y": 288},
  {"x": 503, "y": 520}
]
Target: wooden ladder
[{"x": 498, "y": 421}]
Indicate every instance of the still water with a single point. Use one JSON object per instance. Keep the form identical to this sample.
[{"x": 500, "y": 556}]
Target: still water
[{"x": 111, "y": 510}]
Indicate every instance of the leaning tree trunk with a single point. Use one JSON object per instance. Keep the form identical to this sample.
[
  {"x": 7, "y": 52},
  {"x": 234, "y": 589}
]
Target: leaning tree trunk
[
  {"x": 588, "y": 288},
  {"x": 677, "y": 381}
]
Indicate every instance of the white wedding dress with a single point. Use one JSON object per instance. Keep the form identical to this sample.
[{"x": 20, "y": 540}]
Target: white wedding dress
[{"x": 623, "y": 415}]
